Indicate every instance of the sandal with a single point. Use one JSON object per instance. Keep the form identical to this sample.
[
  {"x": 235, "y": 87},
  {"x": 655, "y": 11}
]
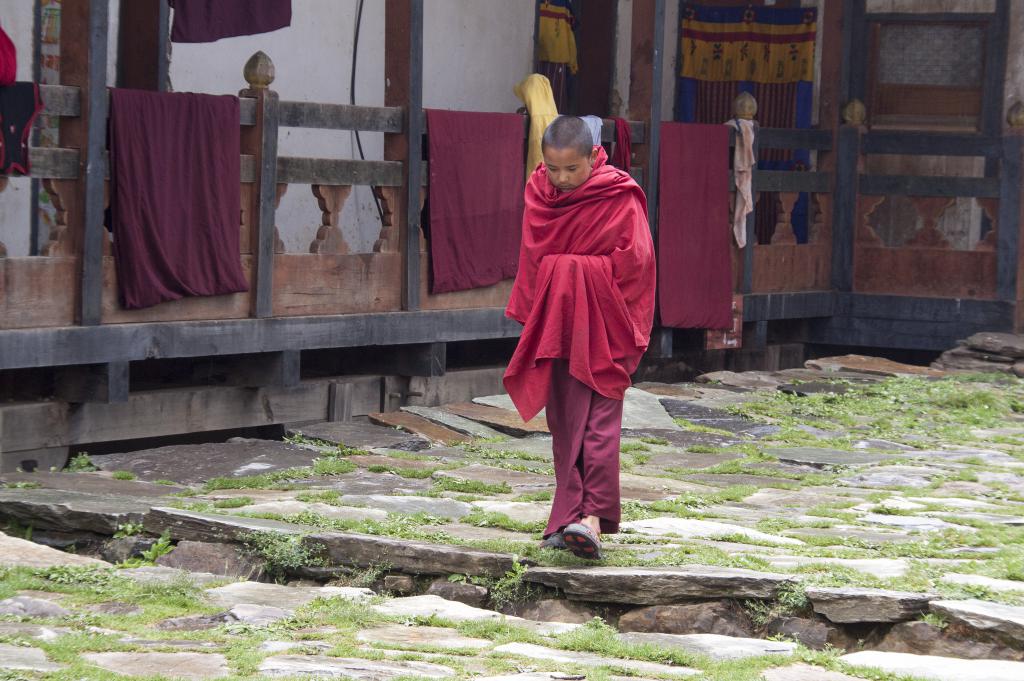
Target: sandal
[
  {"x": 554, "y": 541},
  {"x": 582, "y": 541}
]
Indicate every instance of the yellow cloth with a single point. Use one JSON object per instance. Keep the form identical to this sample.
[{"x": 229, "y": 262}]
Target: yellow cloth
[
  {"x": 535, "y": 91},
  {"x": 556, "y": 41}
]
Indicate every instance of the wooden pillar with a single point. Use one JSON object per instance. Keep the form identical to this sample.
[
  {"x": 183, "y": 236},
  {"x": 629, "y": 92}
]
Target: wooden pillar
[
  {"x": 1008, "y": 225},
  {"x": 83, "y": 36},
  {"x": 142, "y": 47},
  {"x": 844, "y": 203},
  {"x": 646, "y": 62},
  {"x": 260, "y": 140},
  {"x": 403, "y": 78}
]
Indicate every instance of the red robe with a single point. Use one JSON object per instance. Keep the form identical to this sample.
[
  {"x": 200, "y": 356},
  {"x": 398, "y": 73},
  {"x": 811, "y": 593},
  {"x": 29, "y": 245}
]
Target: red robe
[{"x": 585, "y": 285}]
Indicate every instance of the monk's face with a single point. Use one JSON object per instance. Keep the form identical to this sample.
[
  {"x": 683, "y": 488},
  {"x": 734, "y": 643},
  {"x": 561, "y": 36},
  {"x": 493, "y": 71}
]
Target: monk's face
[{"x": 567, "y": 168}]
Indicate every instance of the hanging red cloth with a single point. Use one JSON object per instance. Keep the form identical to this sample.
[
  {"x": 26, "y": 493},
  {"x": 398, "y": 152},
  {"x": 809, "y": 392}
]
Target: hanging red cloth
[
  {"x": 585, "y": 286},
  {"x": 623, "y": 145},
  {"x": 206, "y": 21}
]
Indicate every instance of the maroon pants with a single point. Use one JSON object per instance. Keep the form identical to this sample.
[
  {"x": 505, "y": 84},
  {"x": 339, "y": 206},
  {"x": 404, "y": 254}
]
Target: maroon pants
[{"x": 585, "y": 429}]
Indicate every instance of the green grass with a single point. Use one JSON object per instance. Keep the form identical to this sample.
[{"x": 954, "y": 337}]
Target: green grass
[
  {"x": 234, "y": 502},
  {"x": 123, "y": 475},
  {"x": 449, "y": 484}
]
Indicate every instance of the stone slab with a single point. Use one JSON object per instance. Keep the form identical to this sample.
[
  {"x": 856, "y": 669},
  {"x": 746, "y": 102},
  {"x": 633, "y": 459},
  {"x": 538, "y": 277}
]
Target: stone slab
[
  {"x": 409, "y": 505},
  {"x": 687, "y": 438},
  {"x": 748, "y": 380},
  {"x": 871, "y": 365},
  {"x": 211, "y": 527},
  {"x": 214, "y": 558},
  {"x": 192, "y": 666},
  {"x": 634, "y": 487},
  {"x": 38, "y": 632},
  {"x": 29, "y": 606},
  {"x": 913, "y": 523},
  {"x": 687, "y": 528},
  {"x": 642, "y": 410},
  {"x": 322, "y": 667},
  {"x": 505, "y": 420},
  {"x": 91, "y": 483},
  {"x": 845, "y": 605},
  {"x": 292, "y": 507},
  {"x": 152, "y": 575},
  {"x": 714, "y": 646},
  {"x": 1005, "y": 344},
  {"x": 883, "y": 568},
  {"x": 66, "y": 511},
  {"x": 571, "y": 657},
  {"x": 361, "y": 435},
  {"x": 520, "y": 511},
  {"x": 281, "y": 596},
  {"x": 364, "y": 482},
  {"x": 803, "y": 672},
  {"x": 992, "y": 618},
  {"x": 193, "y": 464},
  {"x": 519, "y": 481},
  {"x": 893, "y": 476},
  {"x": 21, "y": 553},
  {"x": 422, "y": 607},
  {"x": 20, "y": 658},
  {"x": 827, "y": 458},
  {"x": 984, "y": 582},
  {"x": 411, "y": 557},
  {"x": 415, "y": 637},
  {"x": 457, "y": 423},
  {"x": 935, "y": 668},
  {"x": 417, "y": 425},
  {"x": 656, "y": 586}
]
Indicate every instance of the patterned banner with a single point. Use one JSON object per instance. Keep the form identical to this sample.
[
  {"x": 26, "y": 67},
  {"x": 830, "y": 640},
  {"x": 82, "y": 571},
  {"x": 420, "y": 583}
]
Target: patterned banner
[{"x": 754, "y": 44}]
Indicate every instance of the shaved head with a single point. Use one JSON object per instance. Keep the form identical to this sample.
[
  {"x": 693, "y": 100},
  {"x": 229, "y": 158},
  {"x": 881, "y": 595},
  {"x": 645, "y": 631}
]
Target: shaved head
[{"x": 569, "y": 132}]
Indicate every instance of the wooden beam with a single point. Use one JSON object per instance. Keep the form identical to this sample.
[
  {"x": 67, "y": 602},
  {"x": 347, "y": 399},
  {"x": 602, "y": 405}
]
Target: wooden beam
[
  {"x": 142, "y": 50},
  {"x": 61, "y": 100},
  {"x": 938, "y": 144},
  {"x": 794, "y": 138},
  {"x": 911, "y": 308},
  {"x": 296, "y": 170},
  {"x": 339, "y": 402},
  {"x": 422, "y": 359},
  {"x": 791, "y": 181},
  {"x": 919, "y": 185},
  {"x": 57, "y": 346},
  {"x": 341, "y": 117},
  {"x": 1008, "y": 222},
  {"x": 771, "y": 306},
  {"x": 844, "y": 207},
  {"x": 90, "y": 310},
  {"x": 260, "y": 370},
  {"x": 107, "y": 383},
  {"x": 994, "y": 73},
  {"x": 646, "y": 63}
]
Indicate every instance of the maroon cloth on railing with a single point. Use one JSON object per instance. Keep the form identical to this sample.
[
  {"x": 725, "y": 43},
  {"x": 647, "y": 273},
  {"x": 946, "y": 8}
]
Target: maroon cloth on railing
[
  {"x": 694, "y": 260},
  {"x": 620, "y": 157},
  {"x": 476, "y": 197},
  {"x": 8, "y": 59},
  {"x": 174, "y": 195},
  {"x": 204, "y": 21},
  {"x": 20, "y": 104}
]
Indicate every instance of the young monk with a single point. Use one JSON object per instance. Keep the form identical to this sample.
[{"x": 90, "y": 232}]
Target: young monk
[{"x": 585, "y": 293}]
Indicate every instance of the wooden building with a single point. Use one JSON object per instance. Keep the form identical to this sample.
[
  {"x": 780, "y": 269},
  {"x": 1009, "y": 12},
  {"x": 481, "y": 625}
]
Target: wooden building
[{"x": 331, "y": 333}]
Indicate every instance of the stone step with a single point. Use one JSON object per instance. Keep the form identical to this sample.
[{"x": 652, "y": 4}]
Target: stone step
[
  {"x": 281, "y": 596},
  {"x": 66, "y": 511},
  {"x": 505, "y": 420},
  {"x": 457, "y": 423},
  {"x": 340, "y": 548},
  {"x": 715, "y": 646},
  {"x": 847, "y": 605},
  {"x": 323, "y": 667},
  {"x": 936, "y": 668},
  {"x": 361, "y": 436},
  {"x": 1005, "y": 621},
  {"x": 429, "y": 606},
  {"x": 16, "y": 552},
  {"x": 657, "y": 586}
]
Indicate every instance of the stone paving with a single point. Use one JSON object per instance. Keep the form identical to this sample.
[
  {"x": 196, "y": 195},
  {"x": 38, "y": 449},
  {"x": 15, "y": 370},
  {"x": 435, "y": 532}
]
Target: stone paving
[{"x": 854, "y": 519}]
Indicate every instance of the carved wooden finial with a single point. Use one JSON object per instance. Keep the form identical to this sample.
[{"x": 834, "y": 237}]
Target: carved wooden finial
[
  {"x": 1015, "y": 116},
  {"x": 259, "y": 71},
  {"x": 745, "y": 106},
  {"x": 855, "y": 113}
]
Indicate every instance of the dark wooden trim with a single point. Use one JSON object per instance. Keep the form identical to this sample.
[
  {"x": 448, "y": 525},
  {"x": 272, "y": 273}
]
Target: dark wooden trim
[
  {"x": 846, "y": 63},
  {"x": 911, "y": 308},
  {"x": 421, "y": 359},
  {"x": 105, "y": 383},
  {"x": 794, "y": 138},
  {"x": 938, "y": 144},
  {"x": 920, "y": 185},
  {"x": 930, "y": 17},
  {"x": 265, "y": 369},
  {"x": 1008, "y": 223},
  {"x": 844, "y": 207},
  {"x": 163, "y": 43},
  {"x": 857, "y": 54},
  {"x": 91, "y": 300},
  {"x": 340, "y": 117},
  {"x": 339, "y": 401},
  {"x": 660, "y": 346},
  {"x": 654, "y": 139},
  {"x": 413, "y": 168},
  {"x": 801, "y": 305},
  {"x": 791, "y": 181},
  {"x": 994, "y": 78},
  {"x": 58, "y": 346},
  {"x": 61, "y": 100}
]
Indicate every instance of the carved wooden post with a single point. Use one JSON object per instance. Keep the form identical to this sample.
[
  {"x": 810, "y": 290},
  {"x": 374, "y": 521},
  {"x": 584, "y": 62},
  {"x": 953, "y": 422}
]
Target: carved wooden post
[
  {"x": 84, "y": 63},
  {"x": 403, "y": 76},
  {"x": 1009, "y": 264},
  {"x": 261, "y": 141},
  {"x": 745, "y": 108}
]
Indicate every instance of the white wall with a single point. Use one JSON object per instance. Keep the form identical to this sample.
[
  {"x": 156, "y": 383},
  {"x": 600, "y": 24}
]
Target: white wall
[{"x": 16, "y": 200}]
